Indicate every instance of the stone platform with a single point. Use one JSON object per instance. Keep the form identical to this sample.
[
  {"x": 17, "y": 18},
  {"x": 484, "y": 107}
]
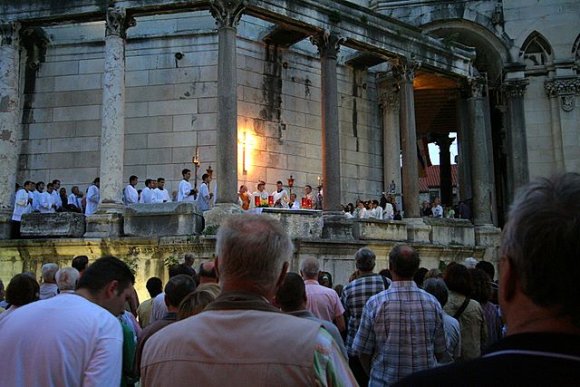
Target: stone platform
[
  {"x": 56, "y": 225},
  {"x": 162, "y": 219}
]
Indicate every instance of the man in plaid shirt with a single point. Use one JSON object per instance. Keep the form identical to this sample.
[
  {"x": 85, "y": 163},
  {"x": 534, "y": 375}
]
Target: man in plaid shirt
[
  {"x": 354, "y": 297},
  {"x": 401, "y": 329}
]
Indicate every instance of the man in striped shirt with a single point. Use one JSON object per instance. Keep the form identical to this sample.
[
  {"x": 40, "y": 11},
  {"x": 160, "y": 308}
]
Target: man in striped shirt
[{"x": 401, "y": 329}]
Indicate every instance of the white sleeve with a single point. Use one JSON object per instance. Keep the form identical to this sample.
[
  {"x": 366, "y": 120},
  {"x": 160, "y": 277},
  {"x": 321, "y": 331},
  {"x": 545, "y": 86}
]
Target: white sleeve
[
  {"x": 44, "y": 202},
  {"x": 105, "y": 365}
]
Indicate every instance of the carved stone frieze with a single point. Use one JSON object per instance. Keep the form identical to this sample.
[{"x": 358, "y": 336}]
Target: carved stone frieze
[
  {"x": 476, "y": 87},
  {"x": 390, "y": 98},
  {"x": 515, "y": 89},
  {"x": 9, "y": 33},
  {"x": 328, "y": 44},
  {"x": 404, "y": 69},
  {"x": 117, "y": 22},
  {"x": 227, "y": 13},
  {"x": 565, "y": 89}
]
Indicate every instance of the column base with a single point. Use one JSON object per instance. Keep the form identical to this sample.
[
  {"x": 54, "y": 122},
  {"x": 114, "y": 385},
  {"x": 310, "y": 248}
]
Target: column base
[
  {"x": 336, "y": 226},
  {"x": 217, "y": 215},
  {"x": 104, "y": 225},
  {"x": 5, "y": 225},
  {"x": 488, "y": 236},
  {"x": 417, "y": 230}
]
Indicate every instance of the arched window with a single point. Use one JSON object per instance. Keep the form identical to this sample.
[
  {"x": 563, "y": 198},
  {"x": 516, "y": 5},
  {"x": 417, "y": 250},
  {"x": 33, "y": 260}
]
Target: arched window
[{"x": 536, "y": 51}]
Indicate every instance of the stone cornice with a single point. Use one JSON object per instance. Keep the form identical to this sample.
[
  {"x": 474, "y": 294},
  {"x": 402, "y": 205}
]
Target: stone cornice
[
  {"x": 227, "y": 13},
  {"x": 328, "y": 44},
  {"x": 117, "y": 22}
]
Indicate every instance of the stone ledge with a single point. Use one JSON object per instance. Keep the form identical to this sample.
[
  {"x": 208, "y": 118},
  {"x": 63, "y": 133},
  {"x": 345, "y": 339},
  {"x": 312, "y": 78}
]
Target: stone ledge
[
  {"x": 300, "y": 224},
  {"x": 104, "y": 225},
  {"x": 394, "y": 230},
  {"x": 59, "y": 224},
  {"x": 451, "y": 231},
  {"x": 417, "y": 230},
  {"x": 162, "y": 219}
]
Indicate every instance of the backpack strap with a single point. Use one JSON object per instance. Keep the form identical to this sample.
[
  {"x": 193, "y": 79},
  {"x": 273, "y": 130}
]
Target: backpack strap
[{"x": 462, "y": 308}]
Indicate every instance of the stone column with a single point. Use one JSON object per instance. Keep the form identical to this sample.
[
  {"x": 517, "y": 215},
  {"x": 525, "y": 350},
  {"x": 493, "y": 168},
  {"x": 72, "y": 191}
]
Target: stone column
[
  {"x": 446, "y": 183},
  {"x": 516, "y": 135},
  {"x": 391, "y": 137},
  {"x": 10, "y": 126},
  {"x": 479, "y": 132},
  {"x": 328, "y": 46},
  {"x": 227, "y": 14},
  {"x": 463, "y": 150},
  {"x": 108, "y": 220},
  {"x": 405, "y": 73}
]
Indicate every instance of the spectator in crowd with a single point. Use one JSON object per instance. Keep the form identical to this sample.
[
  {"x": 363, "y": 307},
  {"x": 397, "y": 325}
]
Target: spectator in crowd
[
  {"x": 66, "y": 279},
  {"x": 198, "y": 300},
  {"x": 323, "y": 302},
  {"x": 262, "y": 346},
  {"x": 207, "y": 273},
  {"x": 481, "y": 293},
  {"x": 22, "y": 290},
  {"x": 72, "y": 339},
  {"x": 48, "y": 288},
  {"x": 80, "y": 262},
  {"x": 154, "y": 287},
  {"x": 401, "y": 329},
  {"x": 538, "y": 283}
]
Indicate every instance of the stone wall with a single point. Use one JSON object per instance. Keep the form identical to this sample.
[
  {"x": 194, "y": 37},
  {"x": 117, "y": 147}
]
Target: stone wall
[{"x": 171, "y": 107}]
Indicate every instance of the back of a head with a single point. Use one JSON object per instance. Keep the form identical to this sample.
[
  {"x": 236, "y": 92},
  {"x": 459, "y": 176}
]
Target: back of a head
[
  {"x": 177, "y": 270},
  {"x": 541, "y": 240},
  {"x": 252, "y": 248},
  {"x": 309, "y": 267},
  {"x": 103, "y": 271},
  {"x": 419, "y": 276},
  {"x": 486, "y": 267},
  {"x": 404, "y": 261},
  {"x": 22, "y": 290},
  {"x": 154, "y": 286},
  {"x": 49, "y": 271},
  {"x": 437, "y": 287},
  {"x": 66, "y": 278},
  {"x": 207, "y": 271},
  {"x": 80, "y": 262},
  {"x": 196, "y": 301},
  {"x": 365, "y": 259},
  {"x": 457, "y": 279},
  {"x": 481, "y": 286},
  {"x": 177, "y": 288},
  {"x": 291, "y": 295}
]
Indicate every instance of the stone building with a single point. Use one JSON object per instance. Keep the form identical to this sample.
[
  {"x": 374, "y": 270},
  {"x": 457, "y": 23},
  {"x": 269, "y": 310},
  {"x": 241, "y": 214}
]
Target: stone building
[{"x": 329, "y": 91}]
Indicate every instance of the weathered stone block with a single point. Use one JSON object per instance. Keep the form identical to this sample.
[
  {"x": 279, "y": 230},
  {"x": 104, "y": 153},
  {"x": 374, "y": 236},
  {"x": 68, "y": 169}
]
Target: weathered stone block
[
  {"x": 60, "y": 224},
  {"x": 104, "y": 225},
  {"x": 162, "y": 219},
  {"x": 451, "y": 231},
  {"x": 300, "y": 224},
  {"x": 417, "y": 230},
  {"x": 219, "y": 213},
  {"x": 379, "y": 229},
  {"x": 336, "y": 226}
]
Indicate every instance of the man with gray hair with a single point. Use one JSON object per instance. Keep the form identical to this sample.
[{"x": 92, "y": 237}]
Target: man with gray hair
[
  {"x": 48, "y": 288},
  {"x": 354, "y": 297},
  {"x": 538, "y": 293},
  {"x": 66, "y": 279},
  {"x": 241, "y": 338},
  {"x": 323, "y": 302}
]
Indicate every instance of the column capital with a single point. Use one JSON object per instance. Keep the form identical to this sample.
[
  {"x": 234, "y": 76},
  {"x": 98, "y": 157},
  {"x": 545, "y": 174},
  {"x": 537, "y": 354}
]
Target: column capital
[
  {"x": 404, "y": 68},
  {"x": 389, "y": 98},
  {"x": 9, "y": 33},
  {"x": 227, "y": 13},
  {"x": 117, "y": 22},
  {"x": 328, "y": 44},
  {"x": 443, "y": 141},
  {"x": 476, "y": 87},
  {"x": 566, "y": 89},
  {"x": 515, "y": 88}
]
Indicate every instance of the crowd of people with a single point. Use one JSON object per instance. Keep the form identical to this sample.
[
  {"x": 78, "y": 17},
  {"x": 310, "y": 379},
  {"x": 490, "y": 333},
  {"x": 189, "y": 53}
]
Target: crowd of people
[{"x": 244, "y": 319}]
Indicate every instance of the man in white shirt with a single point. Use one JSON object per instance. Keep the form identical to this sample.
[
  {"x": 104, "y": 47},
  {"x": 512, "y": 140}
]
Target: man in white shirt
[
  {"x": 146, "y": 193},
  {"x": 160, "y": 194},
  {"x": 74, "y": 199},
  {"x": 79, "y": 343},
  {"x": 22, "y": 205},
  {"x": 47, "y": 204},
  {"x": 293, "y": 204},
  {"x": 186, "y": 193},
  {"x": 437, "y": 208},
  {"x": 203, "y": 201},
  {"x": 56, "y": 194},
  {"x": 130, "y": 194},
  {"x": 261, "y": 194},
  {"x": 280, "y": 196},
  {"x": 36, "y": 195},
  {"x": 93, "y": 197}
]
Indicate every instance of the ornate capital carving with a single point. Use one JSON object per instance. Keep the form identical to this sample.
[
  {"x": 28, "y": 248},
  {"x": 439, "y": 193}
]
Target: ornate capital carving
[
  {"x": 404, "y": 69},
  {"x": 328, "y": 44},
  {"x": 390, "y": 98},
  {"x": 515, "y": 89},
  {"x": 117, "y": 22},
  {"x": 566, "y": 89},
  {"x": 227, "y": 13},
  {"x": 476, "y": 86},
  {"x": 9, "y": 33}
]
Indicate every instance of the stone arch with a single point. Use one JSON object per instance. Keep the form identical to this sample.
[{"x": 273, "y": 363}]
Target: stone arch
[
  {"x": 492, "y": 52},
  {"x": 536, "y": 51}
]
